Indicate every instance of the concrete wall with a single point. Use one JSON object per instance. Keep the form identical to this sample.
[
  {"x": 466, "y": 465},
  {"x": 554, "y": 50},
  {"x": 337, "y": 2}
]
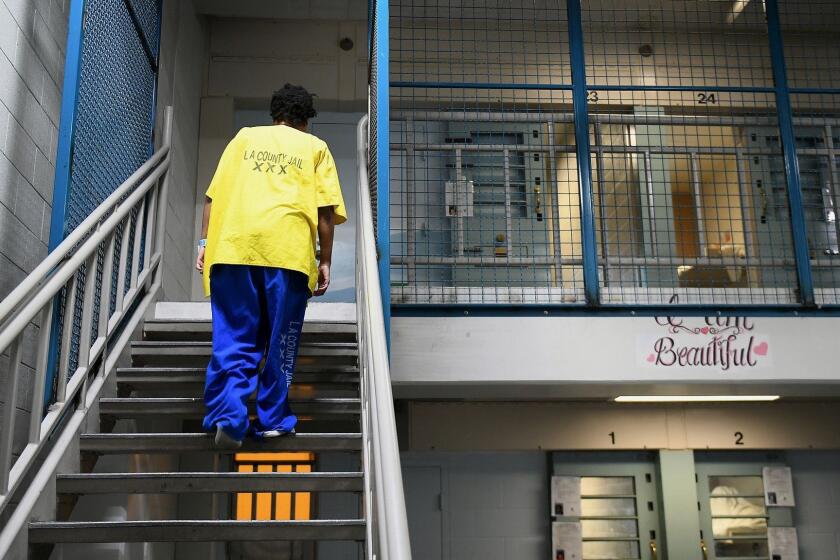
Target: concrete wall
[
  {"x": 183, "y": 66},
  {"x": 816, "y": 481},
  {"x": 492, "y": 506},
  {"x": 33, "y": 34}
]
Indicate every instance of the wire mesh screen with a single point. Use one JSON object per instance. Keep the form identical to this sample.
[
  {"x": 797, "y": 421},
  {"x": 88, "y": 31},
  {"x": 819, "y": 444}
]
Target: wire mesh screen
[
  {"x": 373, "y": 123},
  {"x": 691, "y": 206},
  {"x": 812, "y": 51},
  {"x": 690, "y": 185},
  {"x": 113, "y": 125},
  {"x": 484, "y": 193}
]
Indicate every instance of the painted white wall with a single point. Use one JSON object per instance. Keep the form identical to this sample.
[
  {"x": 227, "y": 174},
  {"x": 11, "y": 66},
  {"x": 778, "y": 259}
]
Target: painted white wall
[
  {"x": 816, "y": 481},
  {"x": 578, "y": 350},
  {"x": 494, "y": 505},
  {"x": 33, "y": 34},
  {"x": 183, "y": 66}
]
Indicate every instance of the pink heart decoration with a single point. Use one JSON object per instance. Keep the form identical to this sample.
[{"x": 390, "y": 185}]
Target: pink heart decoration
[
  {"x": 705, "y": 330},
  {"x": 651, "y": 358},
  {"x": 761, "y": 349}
]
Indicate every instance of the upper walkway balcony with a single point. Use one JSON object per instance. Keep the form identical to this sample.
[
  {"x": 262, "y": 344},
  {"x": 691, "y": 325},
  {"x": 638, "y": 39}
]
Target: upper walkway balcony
[{"x": 564, "y": 154}]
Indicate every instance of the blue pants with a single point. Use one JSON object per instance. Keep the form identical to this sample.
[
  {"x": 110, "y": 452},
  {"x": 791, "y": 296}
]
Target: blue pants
[{"x": 257, "y": 313}]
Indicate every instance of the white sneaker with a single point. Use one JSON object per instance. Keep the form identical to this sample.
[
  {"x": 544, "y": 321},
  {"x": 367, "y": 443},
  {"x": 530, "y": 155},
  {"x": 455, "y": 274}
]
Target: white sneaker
[
  {"x": 278, "y": 433},
  {"x": 225, "y": 441}
]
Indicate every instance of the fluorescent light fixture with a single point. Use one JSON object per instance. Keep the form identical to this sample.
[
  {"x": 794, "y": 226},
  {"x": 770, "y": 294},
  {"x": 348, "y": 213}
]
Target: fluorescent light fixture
[{"x": 695, "y": 398}]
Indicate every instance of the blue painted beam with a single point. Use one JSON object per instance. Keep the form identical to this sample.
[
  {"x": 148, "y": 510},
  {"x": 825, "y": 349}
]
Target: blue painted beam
[
  {"x": 698, "y": 88},
  {"x": 788, "y": 136},
  {"x": 479, "y": 85},
  {"x": 570, "y": 87},
  {"x": 587, "y": 209},
  {"x": 64, "y": 165},
  {"x": 577, "y": 310},
  {"x": 67, "y": 123},
  {"x": 383, "y": 171}
]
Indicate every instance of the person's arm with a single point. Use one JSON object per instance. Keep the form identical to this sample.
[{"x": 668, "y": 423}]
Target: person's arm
[
  {"x": 205, "y": 222},
  {"x": 326, "y": 228}
]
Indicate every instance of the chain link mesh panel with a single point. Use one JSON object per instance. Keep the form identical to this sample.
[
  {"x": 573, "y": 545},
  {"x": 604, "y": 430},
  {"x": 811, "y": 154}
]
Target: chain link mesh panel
[
  {"x": 484, "y": 198},
  {"x": 113, "y": 128},
  {"x": 812, "y": 52},
  {"x": 689, "y": 204},
  {"x": 691, "y": 197}
]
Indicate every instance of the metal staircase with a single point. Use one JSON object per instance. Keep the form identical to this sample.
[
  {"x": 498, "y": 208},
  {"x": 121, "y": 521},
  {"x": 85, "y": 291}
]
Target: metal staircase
[
  {"x": 124, "y": 417},
  {"x": 166, "y": 380}
]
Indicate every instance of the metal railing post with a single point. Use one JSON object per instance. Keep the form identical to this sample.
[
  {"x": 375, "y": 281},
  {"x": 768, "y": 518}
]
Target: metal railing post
[
  {"x": 788, "y": 136},
  {"x": 37, "y": 408},
  {"x": 7, "y": 434},
  {"x": 591, "y": 284},
  {"x": 163, "y": 194},
  {"x": 88, "y": 247},
  {"x": 383, "y": 472}
]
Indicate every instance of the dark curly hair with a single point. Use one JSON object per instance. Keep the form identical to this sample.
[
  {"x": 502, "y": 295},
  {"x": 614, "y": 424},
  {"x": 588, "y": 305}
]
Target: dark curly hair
[{"x": 292, "y": 105}]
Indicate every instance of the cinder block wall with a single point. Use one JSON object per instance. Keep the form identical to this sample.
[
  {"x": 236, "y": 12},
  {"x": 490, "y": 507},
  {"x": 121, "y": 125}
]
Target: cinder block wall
[
  {"x": 33, "y": 34},
  {"x": 183, "y": 66}
]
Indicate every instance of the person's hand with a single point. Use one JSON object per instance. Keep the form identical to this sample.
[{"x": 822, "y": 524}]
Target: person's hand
[
  {"x": 199, "y": 261},
  {"x": 323, "y": 279}
]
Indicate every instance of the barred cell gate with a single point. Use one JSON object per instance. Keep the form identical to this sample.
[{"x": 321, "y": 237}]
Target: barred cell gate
[{"x": 106, "y": 134}]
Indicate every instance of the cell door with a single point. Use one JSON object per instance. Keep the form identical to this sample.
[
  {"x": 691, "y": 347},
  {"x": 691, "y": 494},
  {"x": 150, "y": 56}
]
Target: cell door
[
  {"x": 733, "y": 517},
  {"x": 423, "y": 504},
  {"x": 498, "y": 201},
  {"x": 618, "y": 509}
]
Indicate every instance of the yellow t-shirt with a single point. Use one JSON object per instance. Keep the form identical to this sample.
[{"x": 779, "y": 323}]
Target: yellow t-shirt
[{"x": 266, "y": 192}]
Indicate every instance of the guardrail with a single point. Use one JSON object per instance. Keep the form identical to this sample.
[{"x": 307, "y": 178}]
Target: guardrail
[
  {"x": 117, "y": 250},
  {"x": 384, "y": 498}
]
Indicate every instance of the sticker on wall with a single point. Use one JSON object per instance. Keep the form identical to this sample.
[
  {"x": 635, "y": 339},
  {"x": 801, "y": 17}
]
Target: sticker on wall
[
  {"x": 723, "y": 344},
  {"x": 783, "y": 543},
  {"x": 567, "y": 541},
  {"x": 565, "y": 496},
  {"x": 778, "y": 487}
]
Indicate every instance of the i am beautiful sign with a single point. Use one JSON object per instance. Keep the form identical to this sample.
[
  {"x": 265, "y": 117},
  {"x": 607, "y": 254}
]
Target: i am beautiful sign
[{"x": 720, "y": 343}]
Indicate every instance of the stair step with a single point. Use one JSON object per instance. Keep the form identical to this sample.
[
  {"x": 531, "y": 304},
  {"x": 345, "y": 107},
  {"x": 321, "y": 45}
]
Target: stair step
[
  {"x": 202, "y": 330},
  {"x": 192, "y": 407},
  {"x": 348, "y": 375},
  {"x": 179, "y": 348},
  {"x": 202, "y": 442},
  {"x": 167, "y": 377},
  {"x": 198, "y": 482},
  {"x": 195, "y": 531},
  {"x": 197, "y": 353}
]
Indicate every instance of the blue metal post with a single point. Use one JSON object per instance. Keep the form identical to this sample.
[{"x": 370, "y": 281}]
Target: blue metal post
[
  {"x": 64, "y": 161},
  {"x": 587, "y": 209},
  {"x": 383, "y": 171},
  {"x": 788, "y": 136},
  {"x": 67, "y": 125}
]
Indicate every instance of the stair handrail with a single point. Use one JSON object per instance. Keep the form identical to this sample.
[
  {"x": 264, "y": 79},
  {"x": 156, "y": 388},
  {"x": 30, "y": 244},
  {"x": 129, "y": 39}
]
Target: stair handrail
[
  {"x": 388, "y": 537},
  {"x": 133, "y": 216}
]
